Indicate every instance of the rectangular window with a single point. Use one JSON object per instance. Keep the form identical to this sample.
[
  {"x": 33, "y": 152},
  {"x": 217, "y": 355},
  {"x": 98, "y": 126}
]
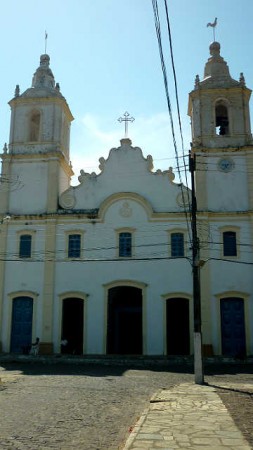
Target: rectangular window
[
  {"x": 229, "y": 243},
  {"x": 25, "y": 246},
  {"x": 125, "y": 244},
  {"x": 74, "y": 247},
  {"x": 177, "y": 245}
]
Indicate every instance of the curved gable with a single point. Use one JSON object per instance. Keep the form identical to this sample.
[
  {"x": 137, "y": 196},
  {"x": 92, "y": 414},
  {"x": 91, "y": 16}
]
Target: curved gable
[{"x": 125, "y": 207}]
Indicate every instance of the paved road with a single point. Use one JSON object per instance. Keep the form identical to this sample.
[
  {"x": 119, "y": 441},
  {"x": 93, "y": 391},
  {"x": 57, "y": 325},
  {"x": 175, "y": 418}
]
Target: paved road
[{"x": 79, "y": 406}]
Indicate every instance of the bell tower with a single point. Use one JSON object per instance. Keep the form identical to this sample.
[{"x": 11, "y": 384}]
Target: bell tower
[
  {"x": 221, "y": 137},
  {"x": 38, "y": 151}
]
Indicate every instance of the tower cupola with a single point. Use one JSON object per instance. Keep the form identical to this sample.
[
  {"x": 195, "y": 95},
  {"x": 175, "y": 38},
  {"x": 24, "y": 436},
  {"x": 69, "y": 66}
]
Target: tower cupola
[
  {"x": 40, "y": 116},
  {"x": 216, "y": 69},
  {"x": 43, "y": 76},
  {"x": 219, "y": 106},
  {"x": 38, "y": 151}
]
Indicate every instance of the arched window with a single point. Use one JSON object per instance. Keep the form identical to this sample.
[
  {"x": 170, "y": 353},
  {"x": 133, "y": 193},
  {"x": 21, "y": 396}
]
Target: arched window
[
  {"x": 221, "y": 119},
  {"x": 34, "y": 126}
]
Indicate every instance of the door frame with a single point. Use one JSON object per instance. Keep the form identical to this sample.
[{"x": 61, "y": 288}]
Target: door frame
[
  {"x": 134, "y": 284},
  {"x": 64, "y": 296},
  {"x": 180, "y": 320},
  {"x": 230, "y": 294},
  {"x": 11, "y": 297},
  {"x": 171, "y": 296},
  {"x": 230, "y": 302}
]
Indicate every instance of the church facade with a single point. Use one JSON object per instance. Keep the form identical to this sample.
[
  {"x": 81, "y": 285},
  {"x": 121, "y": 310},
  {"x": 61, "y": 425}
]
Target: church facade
[{"x": 105, "y": 267}]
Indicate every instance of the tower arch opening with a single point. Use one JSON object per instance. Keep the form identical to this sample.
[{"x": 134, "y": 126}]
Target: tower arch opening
[
  {"x": 221, "y": 118},
  {"x": 34, "y": 126}
]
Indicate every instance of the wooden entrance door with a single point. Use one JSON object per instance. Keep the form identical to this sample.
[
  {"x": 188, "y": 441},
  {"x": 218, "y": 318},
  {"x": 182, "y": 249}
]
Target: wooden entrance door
[
  {"x": 233, "y": 327},
  {"x": 21, "y": 325},
  {"x": 72, "y": 326},
  {"x": 124, "y": 330},
  {"x": 178, "y": 329}
]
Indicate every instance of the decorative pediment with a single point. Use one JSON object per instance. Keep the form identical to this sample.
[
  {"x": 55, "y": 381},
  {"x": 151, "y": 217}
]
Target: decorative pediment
[{"x": 125, "y": 170}]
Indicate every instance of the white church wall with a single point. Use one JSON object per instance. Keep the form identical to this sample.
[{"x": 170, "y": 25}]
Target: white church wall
[
  {"x": 125, "y": 170},
  {"x": 227, "y": 191},
  {"x": 92, "y": 278},
  {"x": 30, "y": 196},
  {"x": 23, "y": 277},
  {"x": 50, "y": 123}
]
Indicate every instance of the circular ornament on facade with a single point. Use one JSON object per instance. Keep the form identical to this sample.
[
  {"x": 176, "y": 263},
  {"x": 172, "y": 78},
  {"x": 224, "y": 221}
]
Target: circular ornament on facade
[
  {"x": 67, "y": 199},
  {"x": 125, "y": 210},
  {"x": 226, "y": 164}
]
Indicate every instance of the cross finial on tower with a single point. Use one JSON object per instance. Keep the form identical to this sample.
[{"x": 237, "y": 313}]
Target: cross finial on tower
[{"x": 126, "y": 119}]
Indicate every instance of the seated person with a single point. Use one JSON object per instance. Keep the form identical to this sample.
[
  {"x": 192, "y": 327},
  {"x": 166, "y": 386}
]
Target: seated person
[{"x": 35, "y": 347}]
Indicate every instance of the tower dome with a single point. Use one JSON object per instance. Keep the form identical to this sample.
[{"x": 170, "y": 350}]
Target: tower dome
[
  {"x": 216, "y": 70},
  {"x": 43, "y": 82}
]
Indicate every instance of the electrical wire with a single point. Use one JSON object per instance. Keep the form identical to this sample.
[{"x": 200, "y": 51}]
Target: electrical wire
[
  {"x": 176, "y": 90},
  {"x": 165, "y": 79}
]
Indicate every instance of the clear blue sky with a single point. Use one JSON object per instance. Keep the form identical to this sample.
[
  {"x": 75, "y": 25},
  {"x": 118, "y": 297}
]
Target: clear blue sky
[{"x": 104, "y": 54}]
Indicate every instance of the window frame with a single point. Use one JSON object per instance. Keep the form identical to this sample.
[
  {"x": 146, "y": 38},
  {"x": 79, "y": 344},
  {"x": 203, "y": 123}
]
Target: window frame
[
  {"x": 20, "y": 235},
  {"x": 68, "y": 236},
  {"x": 176, "y": 231},
  {"x": 120, "y": 232},
  {"x": 125, "y": 244},
  {"x": 181, "y": 244},
  {"x": 225, "y": 252}
]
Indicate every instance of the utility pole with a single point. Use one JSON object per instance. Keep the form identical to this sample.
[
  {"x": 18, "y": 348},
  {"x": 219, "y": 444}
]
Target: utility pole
[{"x": 198, "y": 359}]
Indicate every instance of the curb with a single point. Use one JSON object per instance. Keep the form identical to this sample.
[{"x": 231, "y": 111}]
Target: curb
[{"x": 137, "y": 426}]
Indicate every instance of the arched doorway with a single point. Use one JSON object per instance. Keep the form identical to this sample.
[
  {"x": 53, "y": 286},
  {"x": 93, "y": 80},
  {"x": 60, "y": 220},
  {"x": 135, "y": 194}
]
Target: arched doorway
[
  {"x": 21, "y": 324},
  {"x": 233, "y": 340},
  {"x": 124, "y": 329},
  {"x": 72, "y": 326},
  {"x": 177, "y": 326}
]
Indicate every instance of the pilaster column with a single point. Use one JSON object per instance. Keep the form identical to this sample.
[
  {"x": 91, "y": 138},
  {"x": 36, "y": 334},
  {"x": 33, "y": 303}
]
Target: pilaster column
[
  {"x": 3, "y": 244},
  {"x": 49, "y": 287}
]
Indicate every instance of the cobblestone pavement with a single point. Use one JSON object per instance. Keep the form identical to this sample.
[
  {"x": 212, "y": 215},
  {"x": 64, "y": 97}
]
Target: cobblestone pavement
[
  {"x": 80, "y": 406},
  {"x": 239, "y": 403}
]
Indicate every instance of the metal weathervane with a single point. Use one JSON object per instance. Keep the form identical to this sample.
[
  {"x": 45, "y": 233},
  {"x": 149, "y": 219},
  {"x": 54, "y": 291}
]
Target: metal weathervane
[
  {"x": 213, "y": 26},
  {"x": 46, "y": 35},
  {"x": 126, "y": 119}
]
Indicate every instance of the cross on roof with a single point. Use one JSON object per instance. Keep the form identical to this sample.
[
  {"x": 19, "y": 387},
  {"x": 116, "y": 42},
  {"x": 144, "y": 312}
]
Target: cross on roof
[{"x": 126, "y": 119}]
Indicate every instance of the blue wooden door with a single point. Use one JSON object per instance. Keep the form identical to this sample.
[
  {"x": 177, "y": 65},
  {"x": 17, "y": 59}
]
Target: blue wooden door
[
  {"x": 21, "y": 328},
  {"x": 233, "y": 327}
]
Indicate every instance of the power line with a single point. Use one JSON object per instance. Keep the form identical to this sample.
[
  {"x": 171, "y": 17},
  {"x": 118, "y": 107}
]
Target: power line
[
  {"x": 165, "y": 79},
  {"x": 176, "y": 89}
]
